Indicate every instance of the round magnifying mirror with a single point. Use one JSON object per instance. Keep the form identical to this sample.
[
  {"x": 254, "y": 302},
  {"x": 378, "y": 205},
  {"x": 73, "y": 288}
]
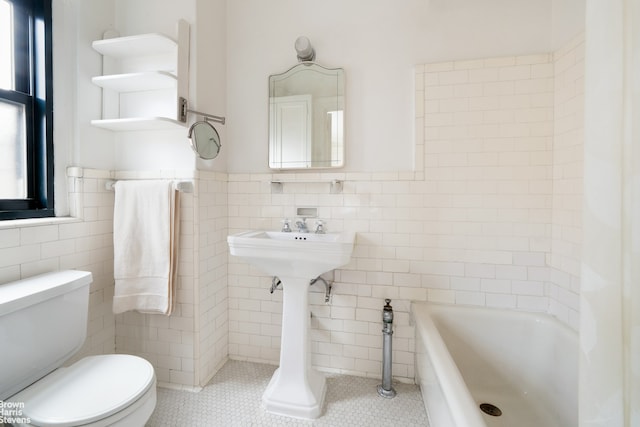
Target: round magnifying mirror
[{"x": 205, "y": 140}]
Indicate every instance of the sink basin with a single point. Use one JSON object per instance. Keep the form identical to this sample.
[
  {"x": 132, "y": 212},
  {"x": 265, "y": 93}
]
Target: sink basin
[
  {"x": 305, "y": 255},
  {"x": 296, "y": 389}
]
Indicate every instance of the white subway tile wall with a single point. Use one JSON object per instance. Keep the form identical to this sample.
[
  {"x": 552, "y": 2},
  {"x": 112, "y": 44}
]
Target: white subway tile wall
[
  {"x": 188, "y": 347},
  {"x": 31, "y": 247},
  {"x": 212, "y": 292},
  {"x": 566, "y": 225},
  {"x": 169, "y": 343},
  {"x": 481, "y": 228}
]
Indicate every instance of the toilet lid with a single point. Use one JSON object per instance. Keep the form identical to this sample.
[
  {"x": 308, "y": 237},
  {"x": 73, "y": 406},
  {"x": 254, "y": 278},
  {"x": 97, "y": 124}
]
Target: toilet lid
[{"x": 91, "y": 389}]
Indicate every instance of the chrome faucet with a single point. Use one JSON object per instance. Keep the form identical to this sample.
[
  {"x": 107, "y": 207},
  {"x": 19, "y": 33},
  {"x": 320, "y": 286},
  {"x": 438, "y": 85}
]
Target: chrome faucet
[{"x": 302, "y": 225}]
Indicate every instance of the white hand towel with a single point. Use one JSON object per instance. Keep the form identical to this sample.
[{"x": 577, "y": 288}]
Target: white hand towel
[{"x": 145, "y": 236}]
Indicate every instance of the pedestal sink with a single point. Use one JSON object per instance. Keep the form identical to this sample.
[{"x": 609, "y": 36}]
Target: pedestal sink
[{"x": 296, "y": 389}]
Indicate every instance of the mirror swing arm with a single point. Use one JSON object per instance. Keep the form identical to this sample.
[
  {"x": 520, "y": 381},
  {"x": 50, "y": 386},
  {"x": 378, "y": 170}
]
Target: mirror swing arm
[
  {"x": 183, "y": 110},
  {"x": 204, "y": 138}
]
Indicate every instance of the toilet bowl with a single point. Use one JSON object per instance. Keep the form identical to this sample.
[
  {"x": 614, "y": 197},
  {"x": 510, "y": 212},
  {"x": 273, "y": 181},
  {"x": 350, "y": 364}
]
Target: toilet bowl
[{"x": 43, "y": 322}]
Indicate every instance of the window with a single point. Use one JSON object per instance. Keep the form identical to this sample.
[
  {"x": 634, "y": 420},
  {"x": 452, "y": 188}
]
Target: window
[{"x": 26, "y": 109}]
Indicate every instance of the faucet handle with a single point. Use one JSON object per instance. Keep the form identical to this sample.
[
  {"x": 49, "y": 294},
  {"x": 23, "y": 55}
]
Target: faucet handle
[
  {"x": 320, "y": 227},
  {"x": 286, "y": 225},
  {"x": 301, "y": 223}
]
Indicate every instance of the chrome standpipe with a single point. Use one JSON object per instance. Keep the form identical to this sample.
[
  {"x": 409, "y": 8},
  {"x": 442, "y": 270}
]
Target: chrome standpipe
[{"x": 385, "y": 389}]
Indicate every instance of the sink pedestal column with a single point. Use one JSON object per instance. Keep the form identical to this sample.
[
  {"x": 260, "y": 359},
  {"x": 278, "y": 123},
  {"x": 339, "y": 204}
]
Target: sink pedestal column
[{"x": 296, "y": 389}]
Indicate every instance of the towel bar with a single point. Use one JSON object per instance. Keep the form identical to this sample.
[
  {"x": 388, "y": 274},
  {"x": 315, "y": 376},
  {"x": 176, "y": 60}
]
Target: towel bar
[{"x": 183, "y": 186}]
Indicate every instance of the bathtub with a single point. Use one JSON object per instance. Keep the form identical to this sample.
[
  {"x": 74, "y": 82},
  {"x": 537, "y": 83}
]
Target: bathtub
[{"x": 524, "y": 364}]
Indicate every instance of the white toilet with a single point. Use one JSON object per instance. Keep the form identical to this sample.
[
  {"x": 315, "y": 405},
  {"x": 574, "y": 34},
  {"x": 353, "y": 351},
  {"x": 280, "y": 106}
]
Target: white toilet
[{"x": 43, "y": 322}]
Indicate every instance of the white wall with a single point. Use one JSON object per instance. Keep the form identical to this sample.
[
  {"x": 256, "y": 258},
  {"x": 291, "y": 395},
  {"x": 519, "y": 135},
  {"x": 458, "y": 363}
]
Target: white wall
[
  {"x": 76, "y": 100},
  {"x": 377, "y": 43},
  {"x": 157, "y": 150},
  {"x": 94, "y": 147},
  {"x": 209, "y": 57},
  {"x": 237, "y": 44},
  {"x": 463, "y": 29},
  {"x": 568, "y": 19},
  {"x": 79, "y": 101}
]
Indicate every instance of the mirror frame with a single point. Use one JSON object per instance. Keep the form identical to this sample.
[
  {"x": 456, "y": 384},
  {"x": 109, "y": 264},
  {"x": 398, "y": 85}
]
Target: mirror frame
[
  {"x": 199, "y": 148},
  {"x": 303, "y": 102}
]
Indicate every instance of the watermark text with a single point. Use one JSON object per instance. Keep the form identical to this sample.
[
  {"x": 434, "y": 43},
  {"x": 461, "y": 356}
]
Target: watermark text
[{"x": 13, "y": 413}]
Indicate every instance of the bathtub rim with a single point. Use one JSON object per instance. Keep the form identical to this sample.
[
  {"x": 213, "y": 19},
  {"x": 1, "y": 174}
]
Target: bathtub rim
[{"x": 462, "y": 406}]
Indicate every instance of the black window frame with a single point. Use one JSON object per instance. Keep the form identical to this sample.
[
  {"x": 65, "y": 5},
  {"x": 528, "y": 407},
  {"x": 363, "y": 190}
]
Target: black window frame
[{"x": 33, "y": 56}]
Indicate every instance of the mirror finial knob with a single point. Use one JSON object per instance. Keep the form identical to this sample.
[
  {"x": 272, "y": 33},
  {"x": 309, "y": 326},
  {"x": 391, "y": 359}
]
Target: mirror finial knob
[{"x": 304, "y": 49}]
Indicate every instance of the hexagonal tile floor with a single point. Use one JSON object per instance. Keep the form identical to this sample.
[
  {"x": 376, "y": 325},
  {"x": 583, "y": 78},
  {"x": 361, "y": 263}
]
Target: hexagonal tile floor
[{"x": 233, "y": 398}]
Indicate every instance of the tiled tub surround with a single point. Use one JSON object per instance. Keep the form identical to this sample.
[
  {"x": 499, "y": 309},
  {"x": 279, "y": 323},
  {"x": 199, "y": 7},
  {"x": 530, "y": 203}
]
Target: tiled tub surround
[
  {"x": 568, "y": 146},
  {"x": 492, "y": 223}
]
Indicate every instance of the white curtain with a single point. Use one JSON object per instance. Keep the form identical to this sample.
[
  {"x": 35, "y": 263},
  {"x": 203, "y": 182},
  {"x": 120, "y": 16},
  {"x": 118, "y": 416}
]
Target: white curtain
[{"x": 610, "y": 288}]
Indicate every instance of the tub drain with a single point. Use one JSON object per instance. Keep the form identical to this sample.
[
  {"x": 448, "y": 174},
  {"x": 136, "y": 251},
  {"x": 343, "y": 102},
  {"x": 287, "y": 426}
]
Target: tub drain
[{"x": 490, "y": 409}]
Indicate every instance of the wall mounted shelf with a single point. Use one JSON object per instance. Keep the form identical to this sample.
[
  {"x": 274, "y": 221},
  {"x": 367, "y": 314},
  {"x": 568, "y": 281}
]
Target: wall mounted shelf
[
  {"x": 138, "y": 123},
  {"x": 136, "y": 46},
  {"x": 335, "y": 185},
  {"x": 134, "y": 82},
  {"x": 143, "y": 79}
]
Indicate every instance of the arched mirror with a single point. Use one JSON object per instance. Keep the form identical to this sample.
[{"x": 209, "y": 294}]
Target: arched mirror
[
  {"x": 205, "y": 140},
  {"x": 306, "y": 117}
]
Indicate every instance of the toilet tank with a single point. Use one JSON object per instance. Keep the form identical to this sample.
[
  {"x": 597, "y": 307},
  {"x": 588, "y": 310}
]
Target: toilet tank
[{"x": 43, "y": 322}]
